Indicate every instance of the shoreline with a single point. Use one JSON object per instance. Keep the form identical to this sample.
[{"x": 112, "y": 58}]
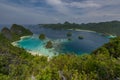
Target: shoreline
[
  {"x": 82, "y": 30},
  {"x": 31, "y": 52},
  {"x": 34, "y": 53},
  {"x": 109, "y": 35},
  {"x": 25, "y": 37}
]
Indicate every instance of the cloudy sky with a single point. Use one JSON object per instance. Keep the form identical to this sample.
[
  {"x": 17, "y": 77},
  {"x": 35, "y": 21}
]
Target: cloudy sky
[{"x": 54, "y": 11}]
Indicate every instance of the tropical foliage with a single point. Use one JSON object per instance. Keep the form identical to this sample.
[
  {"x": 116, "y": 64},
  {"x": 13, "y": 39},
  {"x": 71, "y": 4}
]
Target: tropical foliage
[
  {"x": 17, "y": 64},
  {"x": 112, "y": 48}
]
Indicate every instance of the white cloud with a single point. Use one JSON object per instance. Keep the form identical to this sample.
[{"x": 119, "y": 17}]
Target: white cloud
[
  {"x": 59, "y": 6},
  {"x": 85, "y": 4}
]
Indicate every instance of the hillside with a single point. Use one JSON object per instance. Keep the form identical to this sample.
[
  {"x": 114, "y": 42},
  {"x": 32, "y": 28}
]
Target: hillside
[
  {"x": 112, "y": 48},
  {"x": 17, "y": 64},
  {"x": 7, "y": 33},
  {"x": 111, "y": 27},
  {"x": 20, "y": 30},
  {"x": 15, "y": 32}
]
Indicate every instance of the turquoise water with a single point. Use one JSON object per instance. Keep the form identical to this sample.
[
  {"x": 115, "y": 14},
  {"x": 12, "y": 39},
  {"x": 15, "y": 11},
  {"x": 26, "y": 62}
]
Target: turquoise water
[
  {"x": 30, "y": 43},
  {"x": 34, "y": 44},
  {"x": 111, "y": 36}
]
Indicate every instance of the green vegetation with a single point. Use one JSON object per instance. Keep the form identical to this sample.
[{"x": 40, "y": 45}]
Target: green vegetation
[
  {"x": 49, "y": 44},
  {"x": 111, "y": 27},
  {"x": 20, "y": 30},
  {"x": 15, "y": 32},
  {"x": 42, "y": 36},
  {"x": 112, "y": 48},
  {"x": 17, "y": 64}
]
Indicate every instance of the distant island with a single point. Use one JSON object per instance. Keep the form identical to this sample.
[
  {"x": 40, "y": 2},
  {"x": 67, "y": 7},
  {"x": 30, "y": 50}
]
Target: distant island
[{"x": 111, "y": 27}]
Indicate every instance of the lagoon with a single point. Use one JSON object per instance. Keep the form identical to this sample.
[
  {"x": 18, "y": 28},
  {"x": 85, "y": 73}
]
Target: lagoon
[{"x": 62, "y": 45}]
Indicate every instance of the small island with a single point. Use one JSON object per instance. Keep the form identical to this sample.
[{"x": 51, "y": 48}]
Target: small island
[
  {"x": 49, "y": 44},
  {"x": 69, "y": 39},
  {"x": 42, "y": 36},
  {"x": 80, "y": 37},
  {"x": 69, "y": 34}
]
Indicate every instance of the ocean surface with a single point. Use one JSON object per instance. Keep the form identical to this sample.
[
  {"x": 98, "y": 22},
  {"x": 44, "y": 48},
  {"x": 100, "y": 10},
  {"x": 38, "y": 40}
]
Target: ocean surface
[{"x": 90, "y": 41}]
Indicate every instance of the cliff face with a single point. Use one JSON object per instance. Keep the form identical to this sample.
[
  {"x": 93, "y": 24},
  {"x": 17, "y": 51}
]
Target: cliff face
[
  {"x": 15, "y": 32},
  {"x": 7, "y": 33},
  {"x": 20, "y": 30}
]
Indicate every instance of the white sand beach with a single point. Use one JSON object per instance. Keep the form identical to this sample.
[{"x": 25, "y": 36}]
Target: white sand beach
[
  {"x": 82, "y": 30},
  {"x": 15, "y": 42},
  {"x": 25, "y": 37},
  {"x": 35, "y": 53}
]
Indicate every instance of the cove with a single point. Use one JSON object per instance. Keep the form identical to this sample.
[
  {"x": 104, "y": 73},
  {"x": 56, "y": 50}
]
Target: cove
[{"x": 62, "y": 45}]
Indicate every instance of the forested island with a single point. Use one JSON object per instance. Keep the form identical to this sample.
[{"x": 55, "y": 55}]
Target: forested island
[
  {"x": 111, "y": 27},
  {"x": 17, "y": 64}
]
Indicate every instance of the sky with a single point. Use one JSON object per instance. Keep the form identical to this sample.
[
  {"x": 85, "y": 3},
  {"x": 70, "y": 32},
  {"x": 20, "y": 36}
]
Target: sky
[{"x": 58, "y": 11}]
